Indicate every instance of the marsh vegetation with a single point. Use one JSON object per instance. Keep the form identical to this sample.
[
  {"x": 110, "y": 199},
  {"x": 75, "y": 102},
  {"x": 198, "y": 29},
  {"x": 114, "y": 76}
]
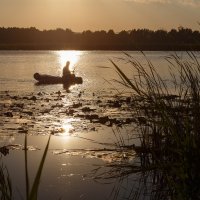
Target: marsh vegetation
[{"x": 166, "y": 163}]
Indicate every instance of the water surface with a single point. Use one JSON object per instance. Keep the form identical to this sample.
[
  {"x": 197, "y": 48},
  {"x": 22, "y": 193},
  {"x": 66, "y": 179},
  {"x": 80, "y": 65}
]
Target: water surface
[{"x": 38, "y": 111}]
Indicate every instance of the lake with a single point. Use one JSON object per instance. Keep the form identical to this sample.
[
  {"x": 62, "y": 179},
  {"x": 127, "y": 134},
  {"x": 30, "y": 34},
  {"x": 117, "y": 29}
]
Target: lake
[{"x": 85, "y": 121}]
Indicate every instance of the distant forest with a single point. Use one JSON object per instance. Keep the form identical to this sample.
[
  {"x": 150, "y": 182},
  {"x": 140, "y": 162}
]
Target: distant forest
[{"x": 136, "y": 39}]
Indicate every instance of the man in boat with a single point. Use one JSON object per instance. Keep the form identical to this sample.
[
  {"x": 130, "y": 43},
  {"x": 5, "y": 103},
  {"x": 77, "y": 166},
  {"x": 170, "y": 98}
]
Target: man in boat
[
  {"x": 67, "y": 75},
  {"x": 66, "y": 71}
]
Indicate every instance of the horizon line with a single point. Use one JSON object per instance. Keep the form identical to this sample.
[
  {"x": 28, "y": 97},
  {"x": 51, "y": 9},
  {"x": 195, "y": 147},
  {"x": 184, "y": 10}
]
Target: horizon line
[{"x": 106, "y": 30}]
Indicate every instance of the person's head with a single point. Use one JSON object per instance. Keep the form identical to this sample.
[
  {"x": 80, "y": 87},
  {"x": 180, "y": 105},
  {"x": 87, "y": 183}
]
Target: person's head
[
  {"x": 36, "y": 75},
  {"x": 67, "y": 63}
]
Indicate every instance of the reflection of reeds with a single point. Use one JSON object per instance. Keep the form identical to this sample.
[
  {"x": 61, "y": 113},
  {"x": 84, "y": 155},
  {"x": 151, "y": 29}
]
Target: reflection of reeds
[{"x": 168, "y": 120}]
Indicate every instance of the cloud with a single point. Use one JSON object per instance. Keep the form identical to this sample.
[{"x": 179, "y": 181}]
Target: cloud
[{"x": 179, "y": 2}]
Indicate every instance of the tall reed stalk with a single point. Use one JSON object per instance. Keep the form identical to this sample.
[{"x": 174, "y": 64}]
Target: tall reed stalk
[
  {"x": 5, "y": 184},
  {"x": 168, "y": 117},
  {"x": 32, "y": 194},
  {"x": 5, "y": 181}
]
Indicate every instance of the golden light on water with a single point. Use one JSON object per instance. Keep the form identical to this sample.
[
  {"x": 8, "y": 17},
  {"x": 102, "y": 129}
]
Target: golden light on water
[
  {"x": 71, "y": 56},
  {"x": 67, "y": 128}
]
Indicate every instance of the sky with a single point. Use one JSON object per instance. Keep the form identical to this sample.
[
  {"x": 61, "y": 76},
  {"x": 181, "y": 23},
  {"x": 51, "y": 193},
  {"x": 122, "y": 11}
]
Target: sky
[{"x": 80, "y": 15}]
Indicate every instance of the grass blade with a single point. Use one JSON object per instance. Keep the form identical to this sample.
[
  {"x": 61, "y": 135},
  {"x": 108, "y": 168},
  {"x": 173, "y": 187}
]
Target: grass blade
[
  {"x": 26, "y": 166},
  {"x": 34, "y": 190},
  {"x": 126, "y": 78}
]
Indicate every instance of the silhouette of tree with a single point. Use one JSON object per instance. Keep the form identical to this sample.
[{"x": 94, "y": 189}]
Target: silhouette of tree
[{"x": 136, "y": 39}]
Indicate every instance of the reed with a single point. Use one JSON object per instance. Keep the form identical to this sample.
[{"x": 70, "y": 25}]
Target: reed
[
  {"x": 5, "y": 184},
  {"x": 6, "y": 192},
  {"x": 31, "y": 194},
  {"x": 168, "y": 114}
]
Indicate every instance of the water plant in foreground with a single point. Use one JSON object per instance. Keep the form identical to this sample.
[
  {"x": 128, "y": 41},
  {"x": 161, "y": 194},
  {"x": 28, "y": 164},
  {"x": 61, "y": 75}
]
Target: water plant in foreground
[
  {"x": 168, "y": 111},
  {"x": 5, "y": 184},
  {"x": 31, "y": 192}
]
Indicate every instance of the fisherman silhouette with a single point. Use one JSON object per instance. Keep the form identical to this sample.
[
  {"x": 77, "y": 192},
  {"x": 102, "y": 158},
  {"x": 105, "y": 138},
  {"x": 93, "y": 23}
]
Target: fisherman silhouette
[{"x": 66, "y": 71}]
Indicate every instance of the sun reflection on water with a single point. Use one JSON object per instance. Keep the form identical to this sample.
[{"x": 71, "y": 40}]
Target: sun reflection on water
[
  {"x": 66, "y": 129},
  {"x": 71, "y": 56}
]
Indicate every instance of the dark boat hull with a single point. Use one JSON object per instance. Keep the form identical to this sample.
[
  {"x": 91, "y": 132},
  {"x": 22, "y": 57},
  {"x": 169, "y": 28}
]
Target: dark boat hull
[{"x": 48, "y": 79}]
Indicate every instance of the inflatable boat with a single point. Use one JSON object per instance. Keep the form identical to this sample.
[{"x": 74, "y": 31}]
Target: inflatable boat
[{"x": 49, "y": 79}]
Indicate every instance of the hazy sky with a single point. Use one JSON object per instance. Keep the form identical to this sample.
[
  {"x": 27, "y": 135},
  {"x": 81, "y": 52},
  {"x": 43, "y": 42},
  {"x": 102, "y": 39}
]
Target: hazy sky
[{"x": 80, "y": 15}]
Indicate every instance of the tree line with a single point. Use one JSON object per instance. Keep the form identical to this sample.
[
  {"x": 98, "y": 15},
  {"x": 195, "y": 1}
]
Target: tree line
[{"x": 136, "y": 39}]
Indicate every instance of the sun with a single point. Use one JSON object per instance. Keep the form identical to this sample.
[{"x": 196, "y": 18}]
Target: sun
[{"x": 71, "y": 56}]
